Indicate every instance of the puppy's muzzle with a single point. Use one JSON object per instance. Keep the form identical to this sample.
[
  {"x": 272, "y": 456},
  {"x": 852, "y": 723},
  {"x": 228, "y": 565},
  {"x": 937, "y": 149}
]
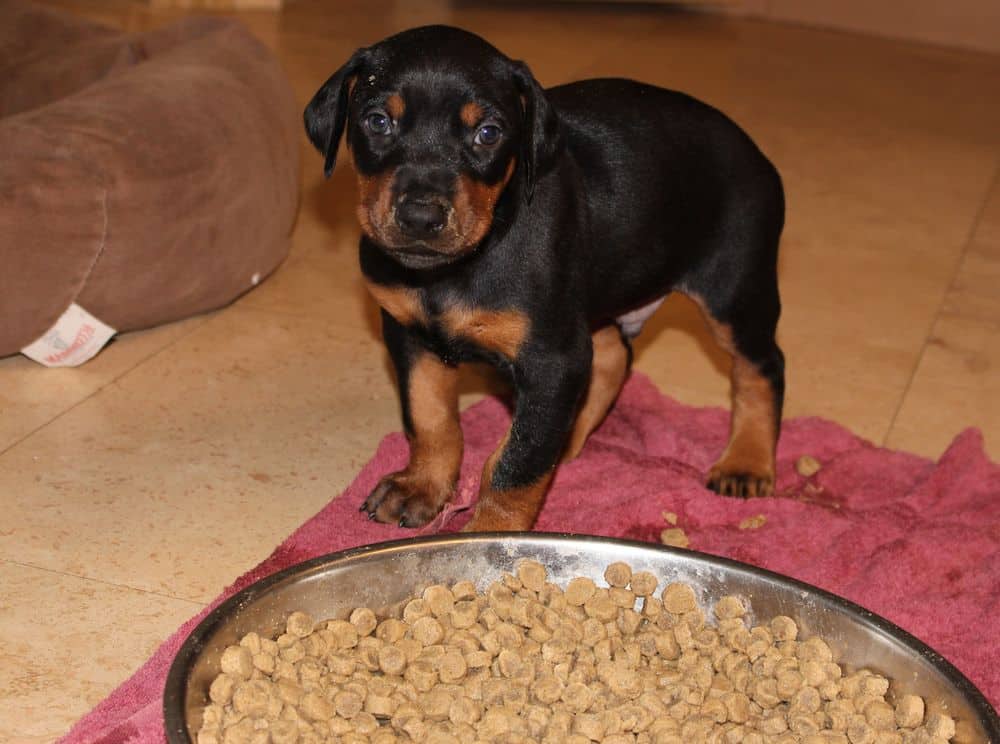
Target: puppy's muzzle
[{"x": 421, "y": 218}]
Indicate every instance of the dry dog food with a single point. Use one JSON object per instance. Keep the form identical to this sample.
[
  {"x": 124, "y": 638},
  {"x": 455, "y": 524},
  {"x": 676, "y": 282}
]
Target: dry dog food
[{"x": 529, "y": 661}]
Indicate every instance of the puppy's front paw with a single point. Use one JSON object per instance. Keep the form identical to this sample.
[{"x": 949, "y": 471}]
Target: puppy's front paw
[
  {"x": 401, "y": 499},
  {"x": 740, "y": 483}
]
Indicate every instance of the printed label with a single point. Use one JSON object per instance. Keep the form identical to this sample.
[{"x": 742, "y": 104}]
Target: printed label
[{"x": 75, "y": 338}]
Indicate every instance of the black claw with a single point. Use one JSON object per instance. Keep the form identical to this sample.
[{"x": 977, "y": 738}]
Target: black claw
[
  {"x": 371, "y": 515},
  {"x": 402, "y": 521}
]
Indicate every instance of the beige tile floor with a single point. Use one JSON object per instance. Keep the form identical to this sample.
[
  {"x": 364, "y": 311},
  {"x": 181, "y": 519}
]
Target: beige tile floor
[{"x": 136, "y": 487}]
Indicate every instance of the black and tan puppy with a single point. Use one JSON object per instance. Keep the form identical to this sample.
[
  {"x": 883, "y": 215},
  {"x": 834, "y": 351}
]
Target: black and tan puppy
[{"x": 538, "y": 230}]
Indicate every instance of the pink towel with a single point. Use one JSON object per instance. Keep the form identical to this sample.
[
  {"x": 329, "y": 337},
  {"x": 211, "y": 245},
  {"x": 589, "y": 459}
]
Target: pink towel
[{"x": 915, "y": 541}]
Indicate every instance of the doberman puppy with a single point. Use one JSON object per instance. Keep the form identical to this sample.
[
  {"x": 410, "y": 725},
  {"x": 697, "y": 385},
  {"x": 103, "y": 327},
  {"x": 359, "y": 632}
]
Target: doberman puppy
[{"x": 538, "y": 230}]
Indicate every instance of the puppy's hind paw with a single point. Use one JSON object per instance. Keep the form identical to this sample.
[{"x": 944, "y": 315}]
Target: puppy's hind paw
[{"x": 740, "y": 484}]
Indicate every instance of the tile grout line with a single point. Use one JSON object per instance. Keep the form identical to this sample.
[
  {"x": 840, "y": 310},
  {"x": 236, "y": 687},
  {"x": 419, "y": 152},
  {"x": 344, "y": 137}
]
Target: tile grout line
[
  {"x": 116, "y": 585},
  {"x": 994, "y": 183},
  {"x": 103, "y": 387},
  {"x": 248, "y": 307}
]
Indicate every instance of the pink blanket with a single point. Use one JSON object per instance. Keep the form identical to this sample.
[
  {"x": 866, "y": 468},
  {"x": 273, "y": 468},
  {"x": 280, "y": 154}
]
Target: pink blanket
[{"x": 915, "y": 541}]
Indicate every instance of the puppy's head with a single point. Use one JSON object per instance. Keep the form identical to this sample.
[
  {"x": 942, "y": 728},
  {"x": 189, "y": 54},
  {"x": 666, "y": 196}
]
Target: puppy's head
[{"x": 438, "y": 123}]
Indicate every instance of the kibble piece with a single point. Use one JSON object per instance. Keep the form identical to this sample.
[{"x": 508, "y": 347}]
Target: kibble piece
[
  {"x": 478, "y": 659},
  {"x": 493, "y": 725},
  {"x": 729, "y": 607},
  {"x": 880, "y": 715},
  {"x": 814, "y": 648},
  {"x": 577, "y": 696},
  {"x": 807, "y": 466},
  {"x": 440, "y": 600},
  {"x": 940, "y": 725},
  {"x": 629, "y": 621},
  {"x": 364, "y": 621},
  {"x": 547, "y": 689},
  {"x": 788, "y": 683},
  {"x": 909, "y": 711},
  {"x": 774, "y": 724},
  {"x": 675, "y": 537},
  {"x": 874, "y": 685},
  {"x": 532, "y": 574},
  {"x": 348, "y": 704},
  {"x": 421, "y": 675},
  {"x": 618, "y": 574},
  {"x": 783, "y": 628},
  {"x": 859, "y": 732},
  {"x": 391, "y": 660},
  {"x": 679, "y": 598},
  {"x": 414, "y": 610},
  {"x": 284, "y": 732},
  {"x": 652, "y": 608},
  {"x": 643, "y": 583},
  {"x": 463, "y": 590},
  {"x": 888, "y": 737},
  {"x": 601, "y": 607},
  {"x": 221, "y": 689},
  {"x": 589, "y": 725},
  {"x": 342, "y": 634},
  {"x": 315, "y": 707},
  {"x": 451, "y": 667},
  {"x": 621, "y": 597},
  {"x": 300, "y": 624},
  {"x": 391, "y": 630},
  {"x": 464, "y": 614},
  {"x": 579, "y": 591},
  {"x": 237, "y": 661},
  {"x": 264, "y": 663},
  {"x": 427, "y": 630},
  {"x": 500, "y": 599},
  {"x": 252, "y": 641},
  {"x": 365, "y": 724}
]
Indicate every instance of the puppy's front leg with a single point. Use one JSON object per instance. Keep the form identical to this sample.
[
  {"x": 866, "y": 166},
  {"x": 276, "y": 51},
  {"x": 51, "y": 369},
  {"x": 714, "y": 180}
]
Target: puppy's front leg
[
  {"x": 429, "y": 400},
  {"x": 517, "y": 474}
]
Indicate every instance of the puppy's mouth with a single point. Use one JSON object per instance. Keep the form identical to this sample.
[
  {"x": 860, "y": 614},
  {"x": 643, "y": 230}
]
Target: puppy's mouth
[{"x": 421, "y": 256}]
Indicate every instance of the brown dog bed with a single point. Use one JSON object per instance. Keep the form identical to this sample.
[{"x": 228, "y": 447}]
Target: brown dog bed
[{"x": 145, "y": 177}]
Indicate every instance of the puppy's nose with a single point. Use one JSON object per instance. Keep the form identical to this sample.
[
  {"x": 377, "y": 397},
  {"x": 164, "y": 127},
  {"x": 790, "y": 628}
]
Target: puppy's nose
[{"x": 420, "y": 218}]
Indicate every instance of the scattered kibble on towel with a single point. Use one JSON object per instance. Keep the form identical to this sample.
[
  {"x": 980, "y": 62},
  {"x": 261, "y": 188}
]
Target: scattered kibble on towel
[
  {"x": 674, "y": 537},
  {"x": 529, "y": 661},
  {"x": 753, "y": 523},
  {"x": 807, "y": 466}
]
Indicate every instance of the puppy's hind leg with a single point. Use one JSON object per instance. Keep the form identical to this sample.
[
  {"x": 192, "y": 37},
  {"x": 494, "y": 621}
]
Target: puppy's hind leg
[
  {"x": 746, "y": 467},
  {"x": 612, "y": 357}
]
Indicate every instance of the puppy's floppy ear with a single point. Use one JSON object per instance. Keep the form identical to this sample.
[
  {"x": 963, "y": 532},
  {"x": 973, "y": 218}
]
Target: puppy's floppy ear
[
  {"x": 326, "y": 113},
  {"x": 541, "y": 135}
]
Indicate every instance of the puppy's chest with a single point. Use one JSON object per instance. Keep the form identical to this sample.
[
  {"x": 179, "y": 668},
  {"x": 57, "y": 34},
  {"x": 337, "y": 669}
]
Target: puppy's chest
[{"x": 455, "y": 329}]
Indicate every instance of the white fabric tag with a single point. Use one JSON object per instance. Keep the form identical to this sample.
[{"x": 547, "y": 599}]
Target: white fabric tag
[{"x": 75, "y": 338}]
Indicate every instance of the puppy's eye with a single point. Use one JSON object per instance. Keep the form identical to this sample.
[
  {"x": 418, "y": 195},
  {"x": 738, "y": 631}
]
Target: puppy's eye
[
  {"x": 378, "y": 122},
  {"x": 488, "y": 135}
]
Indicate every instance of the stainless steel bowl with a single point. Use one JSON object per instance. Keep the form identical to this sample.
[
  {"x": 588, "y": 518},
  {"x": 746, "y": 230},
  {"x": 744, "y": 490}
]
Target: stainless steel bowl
[{"x": 382, "y": 574}]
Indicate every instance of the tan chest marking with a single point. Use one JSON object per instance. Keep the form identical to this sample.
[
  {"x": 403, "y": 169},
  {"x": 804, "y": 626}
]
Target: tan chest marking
[
  {"x": 502, "y": 331},
  {"x": 401, "y": 303}
]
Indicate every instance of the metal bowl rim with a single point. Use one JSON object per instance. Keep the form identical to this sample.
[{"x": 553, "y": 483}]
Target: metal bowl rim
[{"x": 174, "y": 689}]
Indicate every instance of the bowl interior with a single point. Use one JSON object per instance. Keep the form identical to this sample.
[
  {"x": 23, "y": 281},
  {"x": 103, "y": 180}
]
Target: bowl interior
[{"x": 383, "y": 574}]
